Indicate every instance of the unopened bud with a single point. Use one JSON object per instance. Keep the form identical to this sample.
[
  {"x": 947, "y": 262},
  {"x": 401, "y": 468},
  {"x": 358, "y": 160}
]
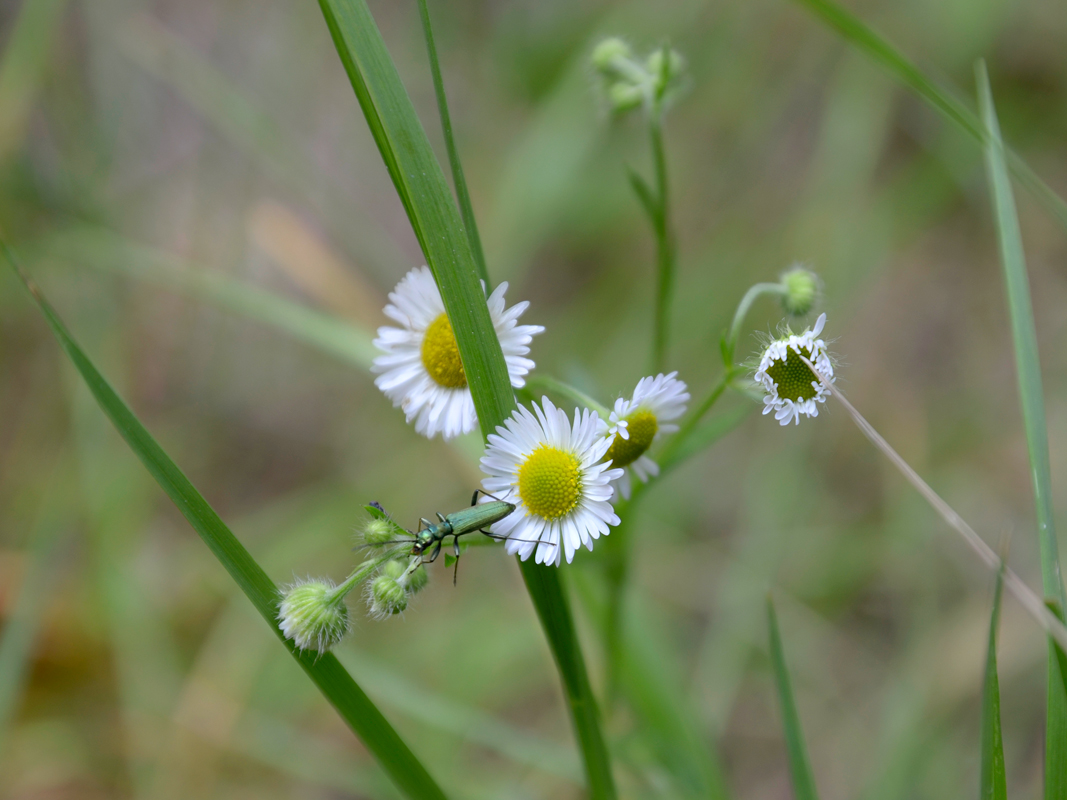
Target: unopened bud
[
  {"x": 387, "y": 596},
  {"x": 624, "y": 96},
  {"x": 313, "y": 614},
  {"x": 379, "y": 531},
  {"x": 417, "y": 579},
  {"x": 675, "y": 65},
  {"x": 608, "y": 52},
  {"x": 801, "y": 289}
]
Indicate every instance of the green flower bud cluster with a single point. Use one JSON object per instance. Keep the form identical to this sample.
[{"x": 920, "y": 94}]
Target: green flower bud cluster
[
  {"x": 313, "y": 614},
  {"x": 390, "y": 591},
  {"x": 630, "y": 81}
]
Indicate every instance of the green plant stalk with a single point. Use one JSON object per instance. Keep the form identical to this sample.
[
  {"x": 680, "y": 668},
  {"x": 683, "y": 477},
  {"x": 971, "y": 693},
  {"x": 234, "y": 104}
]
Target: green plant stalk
[
  {"x": 426, "y": 198},
  {"x": 1024, "y": 338},
  {"x": 754, "y": 292},
  {"x": 799, "y": 764},
  {"x": 865, "y": 39},
  {"x": 458, "y": 179},
  {"x": 993, "y": 783},
  {"x": 361, "y": 715},
  {"x": 665, "y": 251}
]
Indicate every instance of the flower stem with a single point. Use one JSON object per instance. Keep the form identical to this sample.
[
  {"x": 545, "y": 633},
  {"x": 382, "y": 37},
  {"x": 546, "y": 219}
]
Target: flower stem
[
  {"x": 665, "y": 255},
  {"x": 754, "y": 292},
  {"x": 362, "y": 572}
]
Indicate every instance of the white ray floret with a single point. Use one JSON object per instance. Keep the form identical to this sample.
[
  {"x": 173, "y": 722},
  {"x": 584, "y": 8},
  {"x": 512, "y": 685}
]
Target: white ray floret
[
  {"x": 420, "y": 368},
  {"x": 552, "y": 470},
  {"x": 791, "y": 390},
  {"x": 635, "y": 424}
]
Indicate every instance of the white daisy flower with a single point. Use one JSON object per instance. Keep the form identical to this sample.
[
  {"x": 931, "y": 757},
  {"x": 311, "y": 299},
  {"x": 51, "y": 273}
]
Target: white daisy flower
[
  {"x": 791, "y": 389},
  {"x": 421, "y": 371},
  {"x": 635, "y": 423},
  {"x": 554, "y": 473}
]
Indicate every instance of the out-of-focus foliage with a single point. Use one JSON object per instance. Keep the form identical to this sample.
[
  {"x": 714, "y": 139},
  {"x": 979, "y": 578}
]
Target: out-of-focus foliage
[{"x": 226, "y": 136}]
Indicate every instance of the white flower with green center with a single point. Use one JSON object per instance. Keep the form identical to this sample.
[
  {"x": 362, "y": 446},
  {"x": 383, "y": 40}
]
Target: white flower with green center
[
  {"x": 636, "y": 423},
  {"x": 553, "y": 471},
  {"x": 421, "y": 371},
  {"x": 792, "y": 389}
]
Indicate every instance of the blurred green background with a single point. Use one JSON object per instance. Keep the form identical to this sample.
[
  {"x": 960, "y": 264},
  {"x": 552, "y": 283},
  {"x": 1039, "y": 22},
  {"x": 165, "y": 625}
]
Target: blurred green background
[{"x": 140, "y": 141}]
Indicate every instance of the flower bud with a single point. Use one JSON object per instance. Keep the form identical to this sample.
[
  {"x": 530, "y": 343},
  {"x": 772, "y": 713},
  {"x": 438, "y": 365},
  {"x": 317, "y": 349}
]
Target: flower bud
[
  {"x": 606, "y": 54},
  {"x": 801, "y": 289},
  {"x": 624, "y": 96},
  {"x": 378, "y": 531},
  {"x": 418, "y": 579},
  {"x": 313, "y": 614},
  {"x": 675, "y": 67},
  {"x": 387, "y": 596}
]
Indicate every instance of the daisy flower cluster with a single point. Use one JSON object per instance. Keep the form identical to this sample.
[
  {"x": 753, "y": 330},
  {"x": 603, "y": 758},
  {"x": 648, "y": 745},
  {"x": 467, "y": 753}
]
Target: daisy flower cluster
[{"x": 563, "y": 475}]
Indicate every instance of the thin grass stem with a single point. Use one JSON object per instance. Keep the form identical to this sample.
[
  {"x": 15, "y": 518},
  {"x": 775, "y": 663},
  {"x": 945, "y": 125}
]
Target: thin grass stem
[{"x": 1023, "y": 593}]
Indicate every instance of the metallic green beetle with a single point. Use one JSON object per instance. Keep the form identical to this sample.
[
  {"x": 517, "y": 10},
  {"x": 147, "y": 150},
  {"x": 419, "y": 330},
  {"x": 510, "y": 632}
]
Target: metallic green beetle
[{"x": 432, "y": 535}]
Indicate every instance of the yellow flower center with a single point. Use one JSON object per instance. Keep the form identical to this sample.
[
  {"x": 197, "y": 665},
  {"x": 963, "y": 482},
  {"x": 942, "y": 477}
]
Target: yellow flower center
[
  {"x": 550, "y": 482},
  {"x": 642, "y": 427},
  {"x": 793, "y": 377},
  {"x": 440, "y": 355}
]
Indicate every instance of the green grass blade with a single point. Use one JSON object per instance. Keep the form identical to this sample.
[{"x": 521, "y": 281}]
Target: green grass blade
[
  {"x": 865, "y": 39},
  {"x": 458, "y": 179},
  {"x": 427, "y": 199},
  {"x": 1024, "y": 337},
  {"x": 103, "y": 250},
  {"x": 422, "y": 188},
  {"x": 326, "y": 672},
  {"x": 993, "y": 784},
  {"x": 799, "y": 765}
]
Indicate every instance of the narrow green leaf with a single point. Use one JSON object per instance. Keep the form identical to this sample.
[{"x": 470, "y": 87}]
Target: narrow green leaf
[
  {"x": 326, "y": 672},
  {"x": 422, "y": 188},
  {"x": 865, "y": 39},
  {"x": 458, "y": 178},
  {"x": 993, "y": 781},
  {"x": 1024, "y": 338},
  {"x": 799, "y": 766},
  {"x": 426, "y": 198}
]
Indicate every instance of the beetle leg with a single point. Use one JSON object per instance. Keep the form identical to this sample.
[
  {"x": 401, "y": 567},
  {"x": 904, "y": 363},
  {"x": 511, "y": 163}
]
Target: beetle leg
[
  {"x": 434, "y": 555},
  {"x": 455, "y": 552}
]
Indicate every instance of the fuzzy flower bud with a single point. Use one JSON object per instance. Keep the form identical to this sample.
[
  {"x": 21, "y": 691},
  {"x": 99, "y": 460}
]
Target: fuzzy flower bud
[
  {"x": 387, "y": 596},
  {"x": 378, "y": 531},
  {"x": 608, "y": 52},
  {"x": 665, "y": 76},
  {"x": 417, "y": 579},
  {"x": 313, "y": 614},
  {"x": 624, "y": 96},
  {"x": 801, "y": 289}
]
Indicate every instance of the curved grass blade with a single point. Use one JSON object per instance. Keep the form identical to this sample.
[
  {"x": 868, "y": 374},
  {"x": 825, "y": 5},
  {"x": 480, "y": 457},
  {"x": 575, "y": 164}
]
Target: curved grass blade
[
  {"x": 799, "y": 765},
  {"x": 864, "y": 38},
  {"x": 326, "y": 672},
  {"x": 1024, "y": 337},
  {"x": 458, "y": 179},
  {"x": 993, "y": 784},
  {"x": 422, "y": 188}
]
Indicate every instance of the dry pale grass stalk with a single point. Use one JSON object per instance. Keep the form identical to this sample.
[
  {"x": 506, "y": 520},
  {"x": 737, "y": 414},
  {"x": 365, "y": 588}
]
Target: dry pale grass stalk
[{"x": 1023, "y": 593}]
